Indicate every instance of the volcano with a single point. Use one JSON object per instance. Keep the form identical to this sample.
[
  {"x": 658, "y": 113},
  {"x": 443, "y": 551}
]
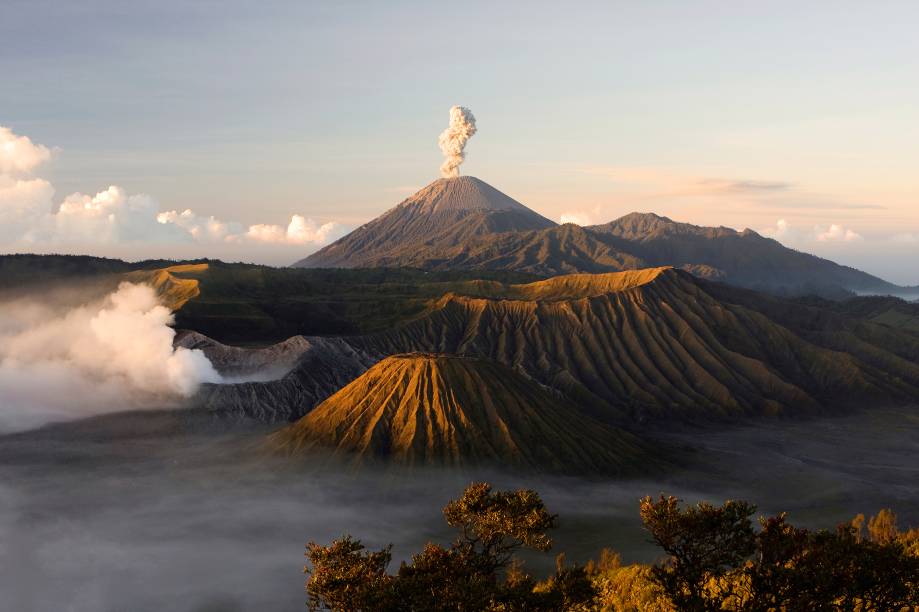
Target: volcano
[
  {"x": 446, "y": 214},
  {"x": 422, "y": 409},
  {"x": 465, "y": 224}
]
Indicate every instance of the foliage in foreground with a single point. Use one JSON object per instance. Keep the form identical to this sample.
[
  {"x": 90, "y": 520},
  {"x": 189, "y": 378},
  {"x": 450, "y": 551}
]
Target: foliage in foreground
[
  {"x": 716, "y": 560},
  {"x": 475, "y": 573}
]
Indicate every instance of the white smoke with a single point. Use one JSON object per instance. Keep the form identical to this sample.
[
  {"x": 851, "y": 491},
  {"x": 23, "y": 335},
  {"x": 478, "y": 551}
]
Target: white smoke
[
  {"x": 452, "y": 140},
  {"x": 61, "y": 363}
]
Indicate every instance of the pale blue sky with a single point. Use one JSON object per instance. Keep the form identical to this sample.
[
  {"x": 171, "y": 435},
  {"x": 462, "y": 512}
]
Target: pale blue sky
[{"x": 254, "y": 111}]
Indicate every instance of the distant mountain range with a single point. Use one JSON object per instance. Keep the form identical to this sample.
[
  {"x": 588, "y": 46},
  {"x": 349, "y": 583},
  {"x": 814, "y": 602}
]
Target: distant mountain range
[{"x": 464, "y": 223}]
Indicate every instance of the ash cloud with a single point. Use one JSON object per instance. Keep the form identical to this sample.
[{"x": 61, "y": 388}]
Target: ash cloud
[
  {"x": 453, "y": 140},
  {"x": 72, "y": 360}
]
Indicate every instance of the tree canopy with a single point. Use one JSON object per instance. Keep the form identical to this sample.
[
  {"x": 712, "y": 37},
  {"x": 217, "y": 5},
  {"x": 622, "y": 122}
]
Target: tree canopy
[{"x": 715, "y": 558}]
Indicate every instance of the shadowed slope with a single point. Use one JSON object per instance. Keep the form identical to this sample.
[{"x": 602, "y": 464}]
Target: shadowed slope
[
  {"x": 642, "y": 240},
  {"x": 555, "y": 250},
  {"x": 264, "y": 363},
  {"x": 323, "y": 366},
  {"x": 421, "y": 409},
  {"x": 464, "y": 223},
  {"x": 744, "y": 258}
]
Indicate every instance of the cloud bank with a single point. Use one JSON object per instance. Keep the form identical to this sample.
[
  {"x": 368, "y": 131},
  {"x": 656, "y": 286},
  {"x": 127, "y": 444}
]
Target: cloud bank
[
  {"x": 837, "y": 233},
  {"x": 31, "y": 219},
  {"x": 65, "y": 361},
  {"x": 783, "y": 231}
]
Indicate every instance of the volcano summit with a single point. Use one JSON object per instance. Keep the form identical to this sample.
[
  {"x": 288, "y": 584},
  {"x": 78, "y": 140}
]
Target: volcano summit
[{"x": 446, "y": 214}]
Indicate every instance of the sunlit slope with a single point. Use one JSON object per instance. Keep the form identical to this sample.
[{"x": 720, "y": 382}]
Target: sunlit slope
[
  {"x": 652, "y": 343},
  {"x": 423, "y": 409},
  {"x": 567, "y": 287},
  {"x": 175, "y": 285}
]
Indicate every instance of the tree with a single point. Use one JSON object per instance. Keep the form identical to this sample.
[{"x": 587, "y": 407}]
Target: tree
[
  {"x": 716, "y": 561},
  {"x": 477, "y": 572},
  {"x": 345, "y": 576},
  {"x": 494, "y": 525},
  {"x": 703, "y": 542},
  {"x": 882, "y": 527}
]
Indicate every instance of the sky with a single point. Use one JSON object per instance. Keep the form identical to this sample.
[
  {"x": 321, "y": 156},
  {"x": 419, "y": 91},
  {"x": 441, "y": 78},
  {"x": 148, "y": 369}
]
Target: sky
[{"x": 282, "y": 125}]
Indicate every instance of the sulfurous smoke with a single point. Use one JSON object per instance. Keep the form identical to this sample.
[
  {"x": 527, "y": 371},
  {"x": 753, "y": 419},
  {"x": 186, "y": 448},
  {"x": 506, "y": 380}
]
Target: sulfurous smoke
[
  {"x": 452, "y": 140},
  {"x": 64, "y": 362}
]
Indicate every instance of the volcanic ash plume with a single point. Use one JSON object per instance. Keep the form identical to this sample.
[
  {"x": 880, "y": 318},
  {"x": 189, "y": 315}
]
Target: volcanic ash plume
[{"x": 452, "y": 140}]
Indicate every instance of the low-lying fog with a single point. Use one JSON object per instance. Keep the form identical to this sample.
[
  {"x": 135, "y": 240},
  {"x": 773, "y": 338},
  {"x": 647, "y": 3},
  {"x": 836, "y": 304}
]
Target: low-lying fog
[{"x": 172, "y": 511}]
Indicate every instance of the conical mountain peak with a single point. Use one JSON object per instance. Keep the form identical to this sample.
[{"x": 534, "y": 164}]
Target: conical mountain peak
[
  {"x": 442, "y": 216},
  {"x": 461, "y": 193},
  {"x": 423, "y": 408}
]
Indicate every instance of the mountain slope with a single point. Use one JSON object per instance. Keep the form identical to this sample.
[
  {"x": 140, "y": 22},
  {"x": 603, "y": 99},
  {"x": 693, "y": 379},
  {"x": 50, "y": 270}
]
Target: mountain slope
[
  {"x": 323, "y": 366},
  {"x": 656, "y": 344},
  {"x": 464, "y": 223},
  {"x": 448, "y": 212},
  {"x": 173, "y": 290},
  {"x": 550, "y": 251},
  {"x": 745, "y": 258},
  {"x": 646, "y": 345},
  {"x": 421, "y": 409},
  {"x": 265, "y": 363}
]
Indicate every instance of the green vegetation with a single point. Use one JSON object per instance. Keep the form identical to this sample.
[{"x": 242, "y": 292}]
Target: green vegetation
[
  {"x": 243, "y": 303},
  {"x": 252, "y": 304},
  {"x": 885, "y": 310},
  {"x": 24, "y": 270},
  {"x": 715, "y": 560},
  {"x": 476, "y": 572}
]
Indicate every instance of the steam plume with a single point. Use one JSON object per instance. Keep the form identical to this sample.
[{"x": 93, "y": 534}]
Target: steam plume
[
  {"x": 452, "y": 140},
  {"x": 62, "y": 363}
]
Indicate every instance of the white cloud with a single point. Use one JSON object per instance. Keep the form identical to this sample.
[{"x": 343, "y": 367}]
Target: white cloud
[
  {"x": 785, "y": 232},
  {"x": 18, "y": 154},
  {"x": 836, "y": 233},
  {"x": 905, "y": 238},
  {"x": 782, "y": 230},
  {"x": 23, "y": 204},
  {"x": 202, "y": 229},
  {"x": 30, "y": 220},
  {"x": 300, "y": 230}
]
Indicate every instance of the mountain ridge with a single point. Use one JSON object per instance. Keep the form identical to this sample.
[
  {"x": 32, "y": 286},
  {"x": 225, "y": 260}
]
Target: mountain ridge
[
  {"x": 464, "y": 223},
  {"x": 628, "y": 348}
]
